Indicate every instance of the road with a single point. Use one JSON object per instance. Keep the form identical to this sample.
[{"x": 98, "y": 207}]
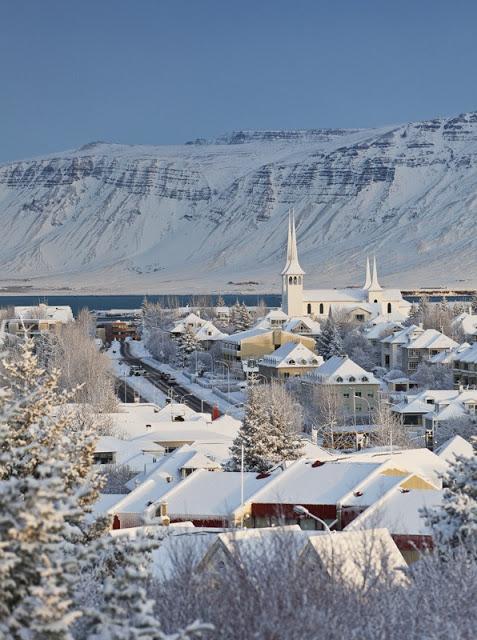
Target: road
[{"x": 157, "y": 378}]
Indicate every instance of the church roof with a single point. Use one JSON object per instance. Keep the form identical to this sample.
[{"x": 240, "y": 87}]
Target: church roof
[{"x": 292, "y": 266}]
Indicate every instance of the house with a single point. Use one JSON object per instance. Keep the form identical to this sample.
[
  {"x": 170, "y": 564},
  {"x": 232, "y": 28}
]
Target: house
[
  {"x": 454, "y": 447},
  {"x": 379, "y": 330},
  {"x": 257, "y": 342},
  {"x": 361, "y": 304},
  {"x": 291, "y": 359},
  {"x": 399, "y": 511},
  {"x": 38, "y": 319},
  {"x": 222, "y": 314},
  {"x": 447, "y": 358},
  {"x": 212, "y": 499},
  {"x": 357, "y": 387},
  {"x": 465, "y": 368},
  {"x": 466, "y": 323},
  {"x": 427, "y": 408},
  {"x": 191, "y": 321},
  {"x": 149, "y": 488},
  {"x": 405, "y": 349},
  {"x": 359, "y": 558}
]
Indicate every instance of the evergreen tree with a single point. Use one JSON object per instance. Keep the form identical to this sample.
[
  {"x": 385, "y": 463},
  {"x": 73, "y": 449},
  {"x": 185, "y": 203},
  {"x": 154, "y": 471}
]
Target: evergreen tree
[
  {"x": 269, "y": 430},
  {"x": 236, "y": 316},
  {"x": 246, "y": 318},
  {"x": 187, "y": 344},
  {"x": 220, "y": 302},
  {"x": 329, "y": 341},
  {"x": 41, "y": 500},
  {"x": 454, "y": 522}
]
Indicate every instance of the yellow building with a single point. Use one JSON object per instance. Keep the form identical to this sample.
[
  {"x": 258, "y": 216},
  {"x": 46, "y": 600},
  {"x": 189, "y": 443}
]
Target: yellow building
[
  {"x": 258, "y": 342},
  {"x": 289, "y": 360}
]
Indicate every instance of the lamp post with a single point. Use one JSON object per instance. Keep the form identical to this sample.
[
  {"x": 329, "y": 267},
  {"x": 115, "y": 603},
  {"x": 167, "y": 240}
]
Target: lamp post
[
  {"x": 303, "y": 511},
  {"x": 354, "y": 413},
  {"x": 193, "y": 396},
  {"x": 222, "y": 362}
]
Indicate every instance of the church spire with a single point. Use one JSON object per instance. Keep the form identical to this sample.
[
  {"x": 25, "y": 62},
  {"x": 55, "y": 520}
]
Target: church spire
[
  {"x": 375, "y": 286},
  {"x": 367, "y": 283},
  {"x": 292, "y": 266}
]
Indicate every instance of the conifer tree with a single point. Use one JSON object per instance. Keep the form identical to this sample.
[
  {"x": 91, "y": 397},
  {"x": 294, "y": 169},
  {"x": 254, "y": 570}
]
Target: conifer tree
[
  {"x": 220, "y": 302},
  {"x": 187, "y": 344},
  {"x": 329, "y": 341},
  {"x": 246, "y": 318},
  {"x": 454, "y": 522}
]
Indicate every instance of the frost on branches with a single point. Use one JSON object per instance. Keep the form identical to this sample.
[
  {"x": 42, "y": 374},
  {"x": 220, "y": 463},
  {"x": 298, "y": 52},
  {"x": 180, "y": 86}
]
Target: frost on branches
[
  {"x": 329, "y": 341},
  {"x": 269, "y": 432},
  {"x": 454, "y": 522}
]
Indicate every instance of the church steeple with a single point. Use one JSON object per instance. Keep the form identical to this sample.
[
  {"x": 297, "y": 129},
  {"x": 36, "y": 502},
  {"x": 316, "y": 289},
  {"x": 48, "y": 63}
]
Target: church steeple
[
  {"x": 367, "y": 283},
  {"x": 375, "y": 286},
  {"x": 292, "y": 266}
]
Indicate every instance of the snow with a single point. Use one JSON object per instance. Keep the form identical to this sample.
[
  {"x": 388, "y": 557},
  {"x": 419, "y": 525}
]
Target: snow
[
  {"x": 456, "y": 446},
  {"x": 301, "y": 355},
  {"x": 342, "y": 367}
]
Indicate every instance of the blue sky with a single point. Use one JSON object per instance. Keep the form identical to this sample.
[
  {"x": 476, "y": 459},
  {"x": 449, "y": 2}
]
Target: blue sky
[{"x": 167, "y": 71}]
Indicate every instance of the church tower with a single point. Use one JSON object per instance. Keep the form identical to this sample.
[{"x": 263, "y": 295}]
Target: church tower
[
  {"x": 375, "y": 291},
  {"x": 292, "y": 275}
]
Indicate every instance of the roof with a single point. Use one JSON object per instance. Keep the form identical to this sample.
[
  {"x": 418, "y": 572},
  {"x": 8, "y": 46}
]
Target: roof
[
  {"x": 403, "y": 336},
  {"x": 212, "y": 495},
  {"x": 276, "y": 314},
  {"x": 208, "y": 331},
  {"x": 468, "y": 323},
  {"x": 399, "y": 512},
  {"x": 190, "y": 545},
  {"x": 159, "y": 481},
  {"x": 469, "y": 355},
  {"x": 58, "y": 313},
  {"x": 312, "y": 325},
  {"x": 447, "y": 357},
  {"x": 376, "y": 331},
  {"x": 432, "y": 339},
  {"x": 335, "y": 295},
  {"x": 359, "y": 557},
  {"x": 292, "y": 354},
  {"x": 303, "y": 483},
  {"x": 342, "y": 367},
  {"x": 249, "y": 333},
  {"x": 456, "y": 446}
]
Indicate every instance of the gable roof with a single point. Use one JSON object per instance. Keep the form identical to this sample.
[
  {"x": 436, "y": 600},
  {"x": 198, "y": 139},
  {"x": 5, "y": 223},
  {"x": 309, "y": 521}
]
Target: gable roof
[
  {"x": 345, "y": 368},
  {"x": 295, "y": 351}
]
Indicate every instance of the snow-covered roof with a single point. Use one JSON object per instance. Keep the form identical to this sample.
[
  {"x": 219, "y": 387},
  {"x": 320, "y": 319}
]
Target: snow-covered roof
[
  {"x": 190, "y": 545},
  {"x": 217, "y": 495},
  {"x": 448, "y": 357},
  {"x": 309, "y": 483},
  {"x": 335, "y": 295},
  {"x": 356, "y": 555},
  {"x": 341, "y": 369},
  {"x": 399, "y": 511},
  {"x": 249, "y": 333},
  {"x": 61, "y": 313},
  {"x": 432, "y": 339},
  {"x": 208, "y": 331},
  {"x": 422, "y": 462},
  {"x": 159, "y": 481},
  {"x": 292, "y": 354},
  {"x": 467, "y": 322},
  {"x": 403, "y": 336},
  {"x": 456, "y": 446},
  {"x": 469, "y": 355},
  {"x": 376, "y": 331},
  {"x": 312, "y": 326},
  {"x": 276, "y": 314}
]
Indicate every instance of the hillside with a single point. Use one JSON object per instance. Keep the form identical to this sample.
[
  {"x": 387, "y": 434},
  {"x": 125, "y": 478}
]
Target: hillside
[{"x": 198, "y": 216}]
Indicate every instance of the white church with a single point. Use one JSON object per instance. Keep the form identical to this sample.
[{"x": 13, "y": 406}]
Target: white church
[{"x": 372, "y": 302}]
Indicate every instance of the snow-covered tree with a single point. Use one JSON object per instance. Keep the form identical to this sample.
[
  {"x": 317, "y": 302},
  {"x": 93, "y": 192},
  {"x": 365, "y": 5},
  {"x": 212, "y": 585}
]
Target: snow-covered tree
[
  {"x": 46, "y": 486},
  {"x": 463, "y": 426},
  {"x": 433, "y": 376},
  {"x": 454, "y": 522},
  {"x": 359, "y": 349},
  {"x": 269, "y": 432},
  {"x": 187, "y": 344},
  {"x": 389, "y": 432},
  {"x": 329, "y": 341},
  {"x": 246, "y": 317}
]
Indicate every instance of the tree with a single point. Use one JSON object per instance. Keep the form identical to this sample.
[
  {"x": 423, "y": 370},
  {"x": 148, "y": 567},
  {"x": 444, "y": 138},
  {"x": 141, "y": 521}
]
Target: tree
[
  {"x": 433, "y": 376},
  {"x": 187, "y": 344},
  {"x": 359, "y": 349},
  {"x": 329, "y": 340},
  {"x": 454, "y": 521},
  {"x": 329, "y": 410},
  {"x": 388, "y": 431},
  {"x": 269, "y": 430},
  {"x": 246, "y": 317},
  {"x": 46, "y": 487},
  {"x": 463, "y": 426}
]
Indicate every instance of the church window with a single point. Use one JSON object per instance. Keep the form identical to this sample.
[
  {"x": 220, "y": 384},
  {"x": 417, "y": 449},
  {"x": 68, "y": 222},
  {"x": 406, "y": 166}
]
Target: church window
[
  {"x": 322, "y": 309},
  {"x": 294, "y": 280},
  {"x": 375, "y": 301},
  {"x": 290, "y": 280},
  {"x": 389, "y": 307},
  {"x": 308, "y": 308}
]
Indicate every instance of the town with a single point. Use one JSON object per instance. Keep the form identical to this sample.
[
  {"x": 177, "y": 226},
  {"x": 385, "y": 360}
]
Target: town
[{"x": 330, "y": 435}]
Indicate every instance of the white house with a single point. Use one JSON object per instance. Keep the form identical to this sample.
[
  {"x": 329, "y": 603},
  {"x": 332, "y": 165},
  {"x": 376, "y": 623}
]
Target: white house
[
  {"x": 291, "y": 359},
  {"x": 362, "y": 304}
]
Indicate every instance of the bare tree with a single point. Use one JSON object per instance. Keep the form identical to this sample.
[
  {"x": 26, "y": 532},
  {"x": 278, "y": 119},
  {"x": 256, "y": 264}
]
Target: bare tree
[{"x": 388, "y": 430}]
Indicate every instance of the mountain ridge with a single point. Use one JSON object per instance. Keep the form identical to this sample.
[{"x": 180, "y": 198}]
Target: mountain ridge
[{"x": 197, "y": 216}]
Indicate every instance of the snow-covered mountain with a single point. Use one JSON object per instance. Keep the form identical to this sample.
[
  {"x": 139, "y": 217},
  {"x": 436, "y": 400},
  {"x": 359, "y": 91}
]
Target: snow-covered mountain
[{"x": 199, "y": 216}]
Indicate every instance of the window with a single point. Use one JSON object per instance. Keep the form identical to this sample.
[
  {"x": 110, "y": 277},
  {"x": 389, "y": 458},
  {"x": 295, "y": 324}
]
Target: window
[
  {"x": 358, "y": 393},
  {"x": 286, "y": 374},
  {"x": 364, "y": 379},
  {"x": 352, "y": 379},
  {"x": 294, "y": 280},
  {"x": 375, "y": 301},
  {"x": 291, "y": 362},
  {"x": 339, "y": 379},
  {"x": 290, "y": 280},
  {"x": 345, "y": 395},
  {"x": 389, "y": 307},
  {"x": 308, "y": 308},
  {"x": 370, "y": 395},
  {"x": 360, "y": 317},
  {"x": 322, "y": 308}
]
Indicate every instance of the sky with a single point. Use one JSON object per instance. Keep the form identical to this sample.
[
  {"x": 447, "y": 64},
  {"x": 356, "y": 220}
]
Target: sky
[{"x": 168, "y": 71}]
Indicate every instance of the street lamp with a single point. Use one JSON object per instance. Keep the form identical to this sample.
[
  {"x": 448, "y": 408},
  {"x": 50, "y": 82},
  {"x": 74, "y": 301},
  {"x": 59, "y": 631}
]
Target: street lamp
[
  {"x": 222, "y": 362},
  {"x": 193, "y": 396},
  {"x": 303, "y": 511}
]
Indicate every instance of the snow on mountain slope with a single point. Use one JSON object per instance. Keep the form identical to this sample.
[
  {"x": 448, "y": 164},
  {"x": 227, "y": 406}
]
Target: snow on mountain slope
[{"x": 197, "y": 216}]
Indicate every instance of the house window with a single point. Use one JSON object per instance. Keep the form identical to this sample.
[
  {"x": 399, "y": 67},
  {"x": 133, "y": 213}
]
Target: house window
[
  {"x": 358, "y": 393},
  {"x": 360, "y": 317},
  {"x": 308, "y": 308},
  {"x": 370, "y": 395},
  {"x": 352, "y": 379},
  {"x": 286, "y": 374},
  {"x": 339, "y": 379},
  {"x": 322, "y": 308},
  {"x": 389, "y": 307},
  {"x": 345, "y": 395}
]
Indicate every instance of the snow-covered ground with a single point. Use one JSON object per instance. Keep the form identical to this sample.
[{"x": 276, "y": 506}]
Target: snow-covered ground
[{"x": 233, "y": 408}]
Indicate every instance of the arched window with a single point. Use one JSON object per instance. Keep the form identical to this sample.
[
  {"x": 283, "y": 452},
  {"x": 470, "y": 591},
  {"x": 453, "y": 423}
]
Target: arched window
[
  {"x": 290, "y": 280},
  {"x": 299, "y": 279},
  {"x": 291, "y": 362},
  {"x": 339, "y": 379},
  {"x": 389, "y": 307},
  {"x": 322, "y": 309},
  {"x": 375, "y": 301},
  {"x": 294, "y": 280},
  {"x": 352, "y": 379},
  {"x": 308, "y": 308},
  {"x": 364, "y": 379}
]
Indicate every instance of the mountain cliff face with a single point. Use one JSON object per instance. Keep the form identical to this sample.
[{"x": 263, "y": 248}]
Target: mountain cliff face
[{"x": 199, "y": 216}]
